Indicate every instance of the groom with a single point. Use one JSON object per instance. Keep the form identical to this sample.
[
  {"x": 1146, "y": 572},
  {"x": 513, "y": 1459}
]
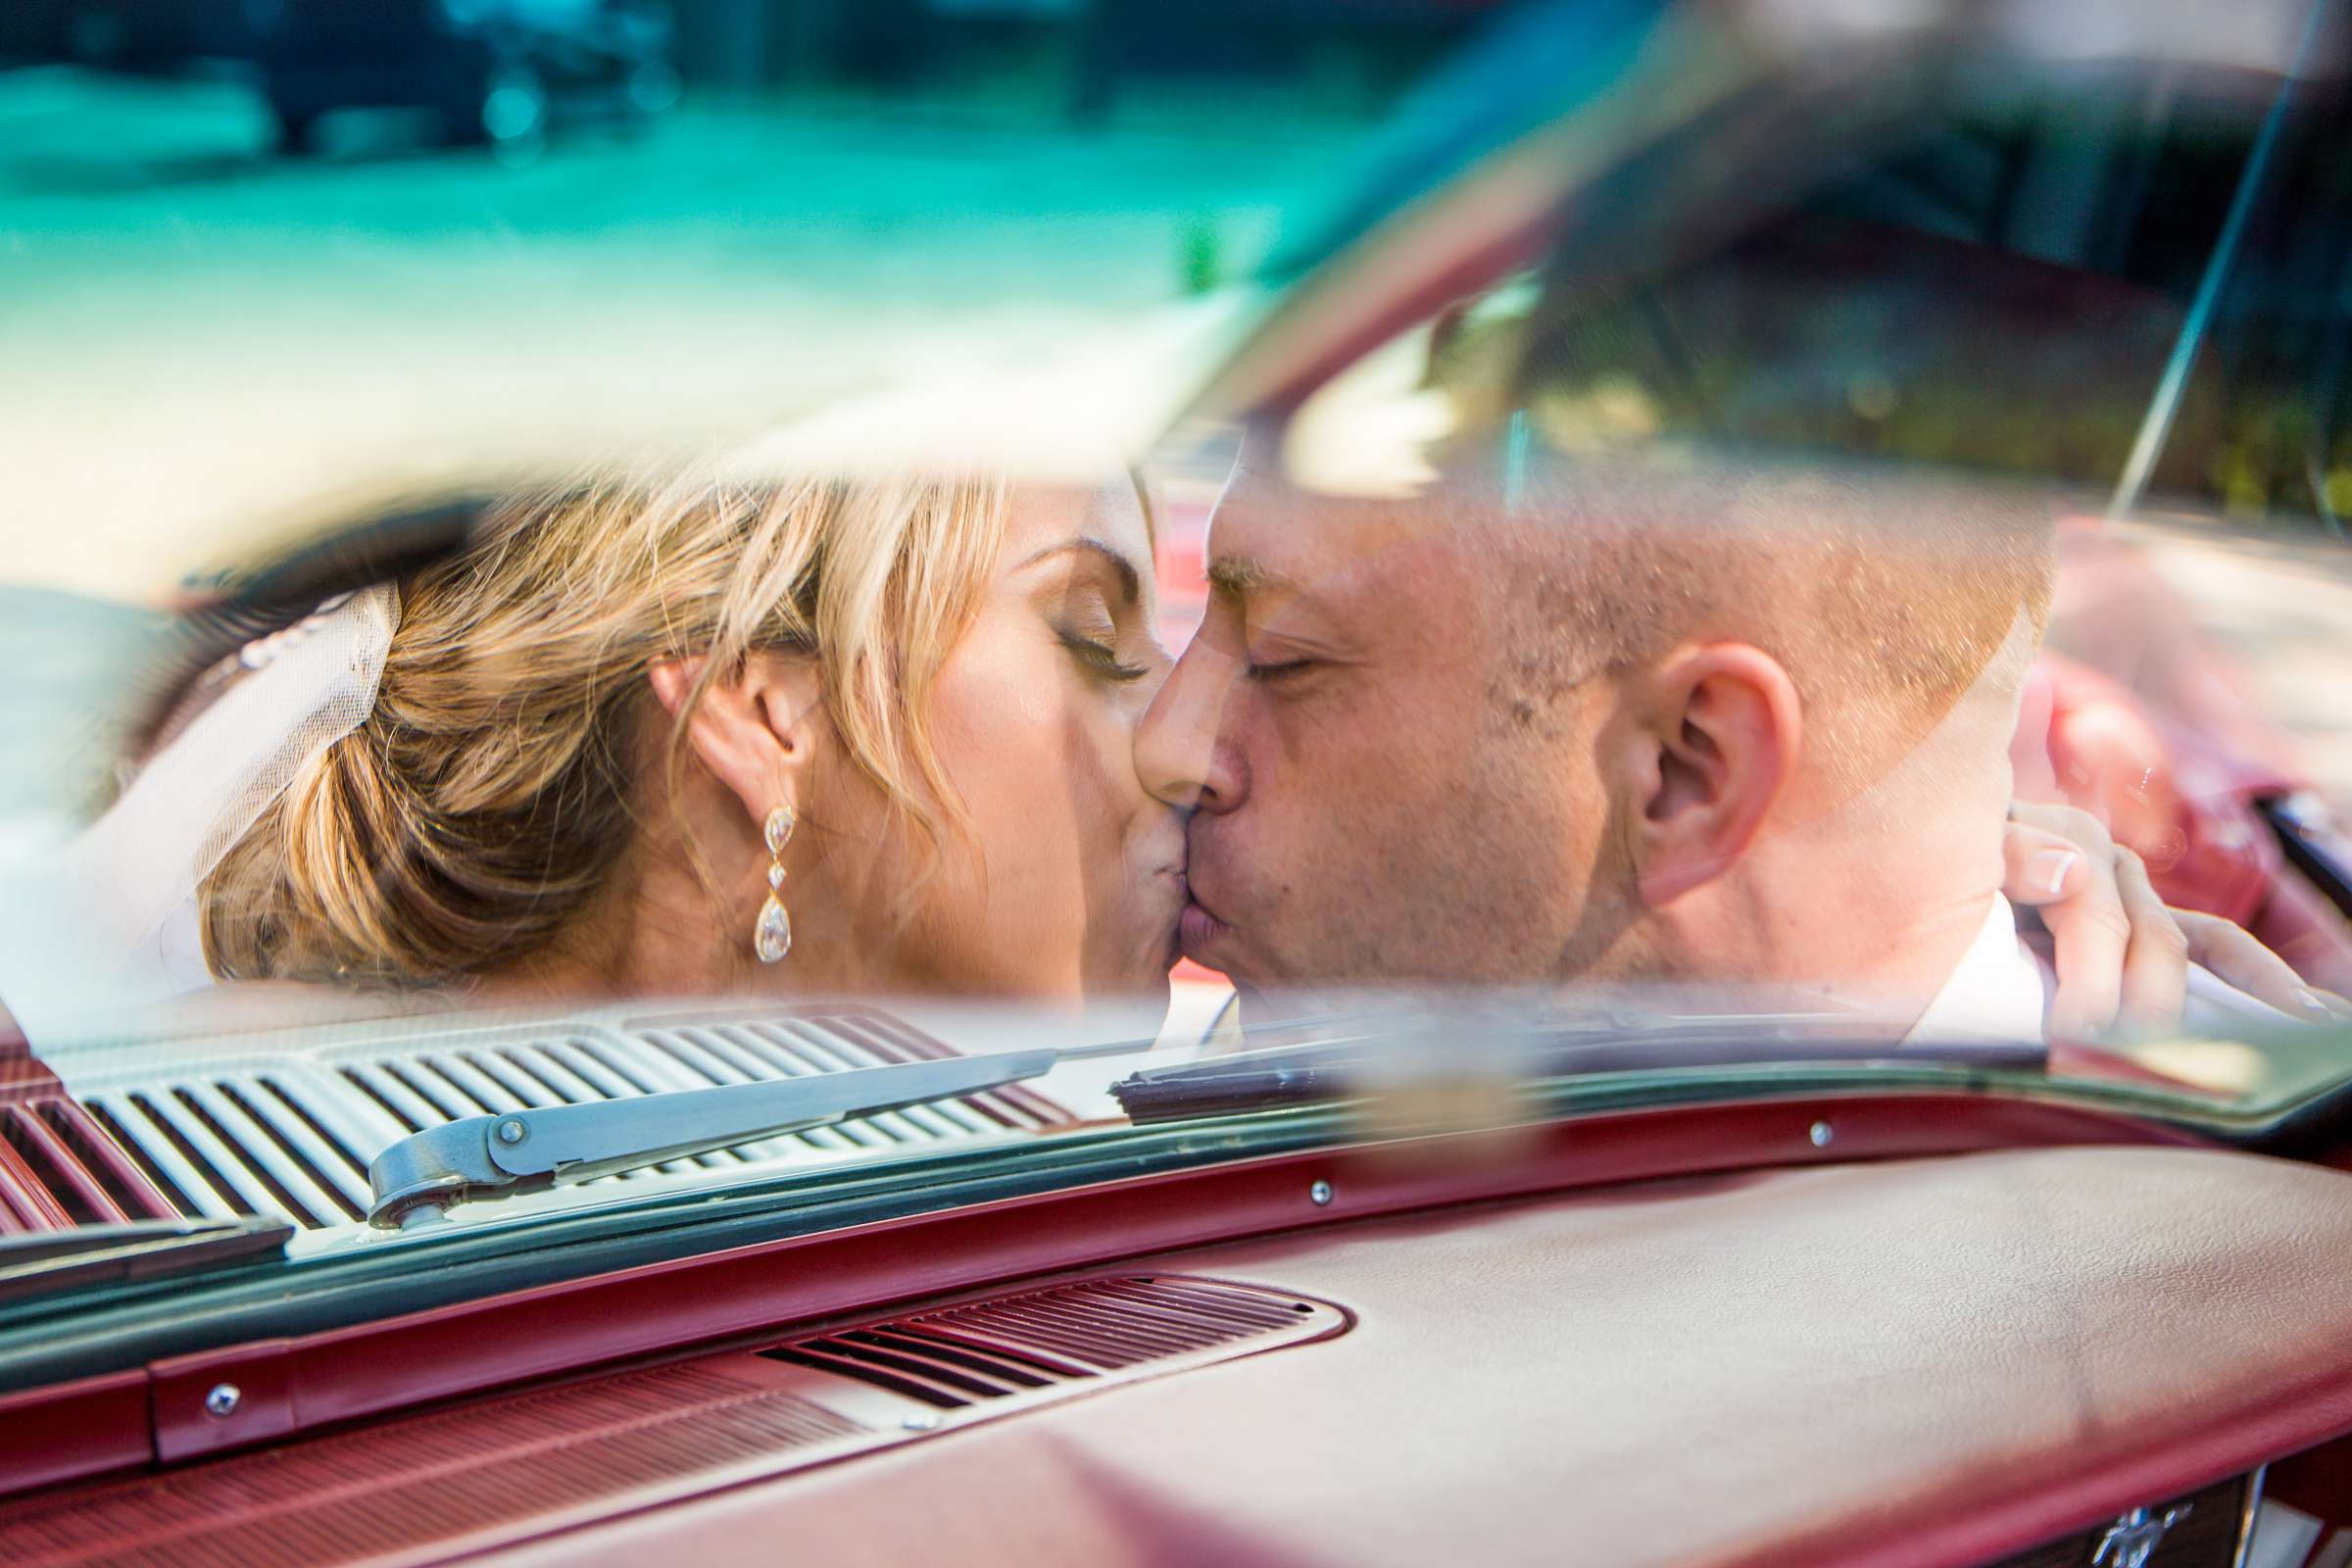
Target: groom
[
  {"x": 1610, "y": 668},
  {"x": 1725, "y": 726}
]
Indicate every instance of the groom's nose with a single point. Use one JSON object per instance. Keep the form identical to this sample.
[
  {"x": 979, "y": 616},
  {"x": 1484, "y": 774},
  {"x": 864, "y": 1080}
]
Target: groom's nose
[{"x": 1181, "y": 752}]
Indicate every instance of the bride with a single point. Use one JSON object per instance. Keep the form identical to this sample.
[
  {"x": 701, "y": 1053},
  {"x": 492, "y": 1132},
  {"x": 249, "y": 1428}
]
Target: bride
[
  {"x": 684, "y": 738},
  {"x": 693, "y": 738}
]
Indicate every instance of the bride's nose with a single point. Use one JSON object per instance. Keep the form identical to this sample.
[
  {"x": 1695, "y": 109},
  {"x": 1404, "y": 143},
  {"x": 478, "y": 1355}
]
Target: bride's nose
[{"x": 1180, "y": 752}]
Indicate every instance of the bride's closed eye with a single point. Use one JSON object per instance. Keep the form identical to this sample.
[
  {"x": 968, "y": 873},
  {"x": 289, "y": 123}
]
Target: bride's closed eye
[
  {"x": 1093, "y": 603},
  {"x": 1096, "y": 634},
  {"x": 1101, "y": 657}
]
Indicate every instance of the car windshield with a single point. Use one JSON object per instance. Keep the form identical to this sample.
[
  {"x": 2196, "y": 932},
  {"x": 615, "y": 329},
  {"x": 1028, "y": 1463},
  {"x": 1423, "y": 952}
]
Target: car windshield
[{"x": 1260, "y": 587}]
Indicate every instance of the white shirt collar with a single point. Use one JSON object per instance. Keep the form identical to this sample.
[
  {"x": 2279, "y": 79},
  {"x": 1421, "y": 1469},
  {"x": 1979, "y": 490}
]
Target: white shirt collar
[{"x": 1994, "y": 993}]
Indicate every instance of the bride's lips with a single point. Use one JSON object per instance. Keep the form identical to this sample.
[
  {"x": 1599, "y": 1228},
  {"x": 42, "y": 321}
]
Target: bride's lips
[
  {"x": 1181, "y": 894},
  {"x": 1198, "y": 930}
]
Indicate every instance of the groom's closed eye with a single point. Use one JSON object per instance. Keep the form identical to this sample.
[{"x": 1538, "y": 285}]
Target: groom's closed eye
[
  {"x": 1268, "y": 659},
  {"x": 1247, "y": 599}
]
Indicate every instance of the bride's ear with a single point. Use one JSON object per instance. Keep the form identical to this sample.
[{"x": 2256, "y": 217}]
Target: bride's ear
[{"x": 756, "y": 731}]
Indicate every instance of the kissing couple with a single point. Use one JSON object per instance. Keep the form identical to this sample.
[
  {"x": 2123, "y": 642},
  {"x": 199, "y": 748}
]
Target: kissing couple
[{"x": 684, "y": 736}]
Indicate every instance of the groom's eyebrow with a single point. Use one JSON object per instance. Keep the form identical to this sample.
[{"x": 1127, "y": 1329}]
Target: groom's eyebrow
[
  {"x": 1131, "y": 584},
  {"x": 1240, "y": 576}
]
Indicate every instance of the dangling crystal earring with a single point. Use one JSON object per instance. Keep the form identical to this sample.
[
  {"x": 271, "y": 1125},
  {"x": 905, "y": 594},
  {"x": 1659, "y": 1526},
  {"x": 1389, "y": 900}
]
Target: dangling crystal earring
[{"x": 772, "y": 938}]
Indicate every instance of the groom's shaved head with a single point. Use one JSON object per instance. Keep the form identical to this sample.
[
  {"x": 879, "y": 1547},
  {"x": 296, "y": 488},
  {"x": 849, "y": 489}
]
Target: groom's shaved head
[{"x": 1885, "y": 598}]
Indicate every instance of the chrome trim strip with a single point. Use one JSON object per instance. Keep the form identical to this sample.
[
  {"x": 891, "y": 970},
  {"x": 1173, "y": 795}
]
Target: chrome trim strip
[{"x": 2245, "y": 1517}]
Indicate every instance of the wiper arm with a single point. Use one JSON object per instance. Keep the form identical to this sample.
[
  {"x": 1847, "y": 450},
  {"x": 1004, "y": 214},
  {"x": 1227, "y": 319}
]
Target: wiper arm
[
  {"x": 425, "y": 1174},
  {"x": 1367, "y": 1059},
  {"x": 49, "y": 1261}
]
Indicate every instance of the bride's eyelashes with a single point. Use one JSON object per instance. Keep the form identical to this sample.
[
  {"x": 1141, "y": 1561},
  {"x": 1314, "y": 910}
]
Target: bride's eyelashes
[
  {"x": 1088, "y": 624},
  {"x": 1100, "y": 658},
  {"x": 1096, "y": 613}
]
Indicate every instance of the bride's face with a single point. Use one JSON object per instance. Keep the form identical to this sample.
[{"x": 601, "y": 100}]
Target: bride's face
[{"x": 1071, "y": 877}]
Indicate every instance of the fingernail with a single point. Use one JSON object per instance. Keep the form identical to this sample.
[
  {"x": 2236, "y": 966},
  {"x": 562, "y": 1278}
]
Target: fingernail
[
  {"x": 2047, "y": 870},
  {"x": 2314, "y": 1006}
]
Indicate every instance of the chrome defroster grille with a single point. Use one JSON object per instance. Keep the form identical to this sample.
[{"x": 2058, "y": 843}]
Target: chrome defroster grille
[
  {"x": 246, "y": 1143},
  {"x": 291, "y": 1134}
]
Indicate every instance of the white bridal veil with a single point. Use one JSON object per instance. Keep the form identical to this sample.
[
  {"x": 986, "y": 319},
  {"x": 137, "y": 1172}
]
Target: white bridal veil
[{"x": 106, "y": 921}]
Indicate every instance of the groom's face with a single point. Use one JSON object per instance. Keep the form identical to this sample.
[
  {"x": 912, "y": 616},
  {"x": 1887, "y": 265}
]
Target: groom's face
[{"x": 1391, "y": 771}]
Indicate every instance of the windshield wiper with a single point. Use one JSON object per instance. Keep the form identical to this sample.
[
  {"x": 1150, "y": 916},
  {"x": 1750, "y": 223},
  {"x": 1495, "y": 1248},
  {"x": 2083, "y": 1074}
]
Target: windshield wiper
[
  {"x": 425, "y": 1174},
  {"x": 1410, "y": 1050},
  {"x": 48, "y": 1262}
]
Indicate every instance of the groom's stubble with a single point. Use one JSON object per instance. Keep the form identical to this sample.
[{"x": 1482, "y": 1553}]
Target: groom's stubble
[{"x": 1427, "y": 808}]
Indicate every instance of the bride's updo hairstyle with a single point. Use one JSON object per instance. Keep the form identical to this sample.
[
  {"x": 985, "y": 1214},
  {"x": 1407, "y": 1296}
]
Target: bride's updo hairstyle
[{"x": 490, "y": 794}]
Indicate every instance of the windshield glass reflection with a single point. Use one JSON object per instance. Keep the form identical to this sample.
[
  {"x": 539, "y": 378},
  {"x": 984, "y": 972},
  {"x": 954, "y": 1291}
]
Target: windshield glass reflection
[{"x": 1850, "y": 605}]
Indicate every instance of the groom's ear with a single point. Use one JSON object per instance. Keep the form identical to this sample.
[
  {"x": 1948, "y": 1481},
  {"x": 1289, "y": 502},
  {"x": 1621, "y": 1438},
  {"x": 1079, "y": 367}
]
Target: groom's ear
[
  {"x": 754, "y": 729},
  {"x": 1714, "y": 741}
]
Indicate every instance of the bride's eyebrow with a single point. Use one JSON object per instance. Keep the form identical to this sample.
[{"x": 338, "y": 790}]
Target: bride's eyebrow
[{"x": 1131, "y": 582}]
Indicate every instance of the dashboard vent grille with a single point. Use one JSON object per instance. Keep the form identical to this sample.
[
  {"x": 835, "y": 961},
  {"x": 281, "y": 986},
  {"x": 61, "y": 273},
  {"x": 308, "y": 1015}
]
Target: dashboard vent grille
[
  {"x": 1038, "y": 1341},
  {"x": 291, "y": 1135},
  {"x": 460, "y": 1480}
]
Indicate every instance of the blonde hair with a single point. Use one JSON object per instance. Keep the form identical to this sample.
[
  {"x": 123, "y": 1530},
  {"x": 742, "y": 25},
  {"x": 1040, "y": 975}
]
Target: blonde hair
[{"x": 488, "y": 796}]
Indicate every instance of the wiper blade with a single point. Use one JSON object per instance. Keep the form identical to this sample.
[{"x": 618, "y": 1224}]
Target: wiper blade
[
  {"x": 50, "y": 1261},
  {"x": 1425, "y": 1049},
  {"x": 426, "y": 1173}
]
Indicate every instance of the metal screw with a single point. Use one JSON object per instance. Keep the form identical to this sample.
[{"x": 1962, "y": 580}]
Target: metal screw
[
  {"x": 1319, "y": 1194},
  {"x": 221, "y": 1401},
  {"x": 921, "y": 1421},
  {"x": 513, "y": 1132},
  {"x": 1820, "y": 1134}
]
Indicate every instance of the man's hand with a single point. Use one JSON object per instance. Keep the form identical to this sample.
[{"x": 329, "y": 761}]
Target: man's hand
[{"x": 2123, "y": 957}]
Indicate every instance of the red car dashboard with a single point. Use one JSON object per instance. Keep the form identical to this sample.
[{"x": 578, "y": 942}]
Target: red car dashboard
[{"x": 1919, "y": 1361}]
